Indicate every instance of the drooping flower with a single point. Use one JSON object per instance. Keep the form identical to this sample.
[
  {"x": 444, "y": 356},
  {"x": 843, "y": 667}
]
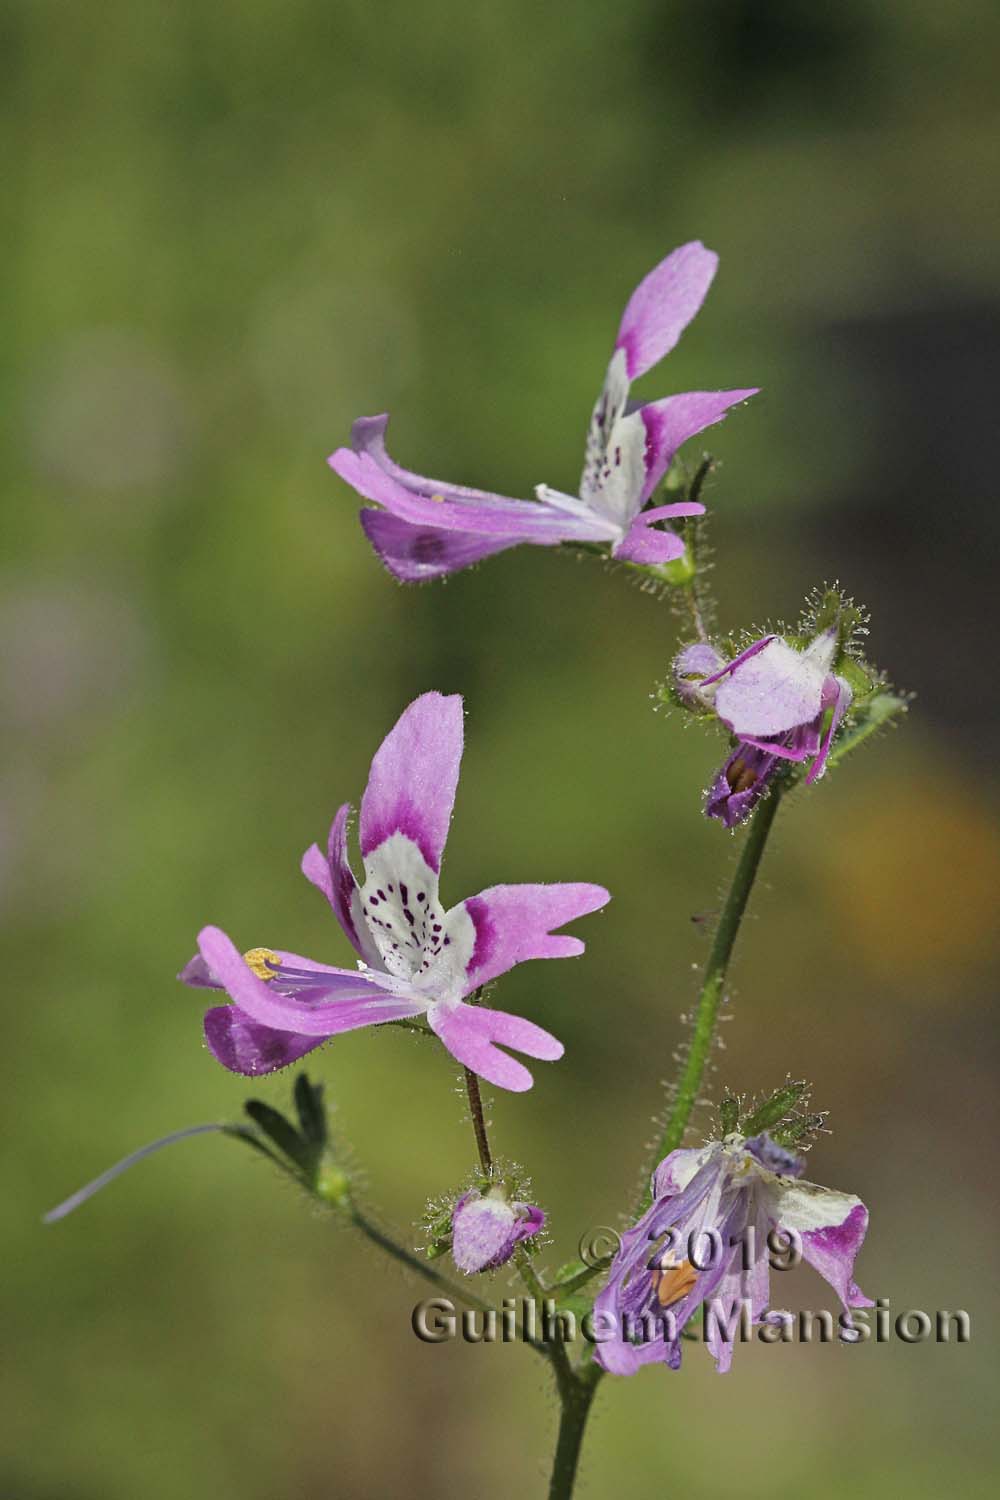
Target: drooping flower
[
  {"x": 487, "y": 1227},
  {"x": 428, "y": 527},
  {"x": 775, "y": 700},
  {"x": 704, "y": 1242},
  {"x": 416, "y": 958}
]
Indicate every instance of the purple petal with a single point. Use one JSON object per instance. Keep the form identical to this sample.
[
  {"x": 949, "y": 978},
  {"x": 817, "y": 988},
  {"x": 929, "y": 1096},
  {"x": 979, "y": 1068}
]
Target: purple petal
[
  {"x": 774, "y": 691},
  {"x": 414, "y": 776},
  {"x": 481, "y": 1231},
  {"x": 676, "y": 1170},
  {"x": 740, "y": 784},
  {"x": 361, "y": 999},
  {"x": 471, "y": 1032},
  {"x": 775, "y": 1158},
  {"x": 745, "y": 655},
  {"x": 368, "y": 437},
  {"x": 242, "y": 1046},
  {"x": 838, "y": 691},
  {"x": 416, "y": 553},
  {"x": 514, "y": 923},
  {"x": 198, "y": 975},
  {"x": 663, "y": 304},
  {"x": 670, "y": 422},
  {"x": 487, "y": 1228},
  {"x": 691, "y": 667},
  {"x": 332, "y": 874},
  {"x": 832, "y": 1226},
  {"x": 488, "y": 515},
  {"x": 643, "y": 545}
]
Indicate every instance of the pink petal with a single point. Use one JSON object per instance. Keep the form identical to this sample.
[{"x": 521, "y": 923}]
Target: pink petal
[
  {"x": 513, "y": 923},
  {"x": 361, "y": 999},
  {"x": 774, "y": 691},
  {"x": 332, "y": 874},
  {"x": 663, "y": 304},
  {"x": 414, "y": 776},
  {"x": 242, "y": 1046},
  {"x": 470, "y": 1033},
  {"x": 670, "y": 422},
  {"x": 414, "y": 553}
]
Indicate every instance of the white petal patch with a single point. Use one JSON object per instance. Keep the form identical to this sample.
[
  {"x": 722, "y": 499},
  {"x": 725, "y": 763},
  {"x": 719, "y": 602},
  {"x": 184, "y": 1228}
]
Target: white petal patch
[
  {"x": 806, "y": 1205},
  {"x": 447, "y": 971},
  {"x": 370, "y": 951},
  {"x": 401, "y": 907},
  {"x": 684, "y": 1164},
  {"x": 772, "y": 692},
  {"x": 614, "y": 469},
  {"x": 822, "y": 650}
]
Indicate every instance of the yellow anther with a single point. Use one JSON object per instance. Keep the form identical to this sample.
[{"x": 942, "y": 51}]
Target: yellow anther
[
  {"x": 438, "y": 498},
  {"x": 673, "y": 1283},
  {"x": 262, "y": 962}
]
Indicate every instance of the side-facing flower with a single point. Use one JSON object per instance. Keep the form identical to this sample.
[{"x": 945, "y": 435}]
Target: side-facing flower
[
  {"x": 428, "y": 527},
  {"x": 780, "y": 704},
  {"x": 704, "y": 1241},
  {"x": 487, "y": 1227},
  {"x": 416, "y": 958}
]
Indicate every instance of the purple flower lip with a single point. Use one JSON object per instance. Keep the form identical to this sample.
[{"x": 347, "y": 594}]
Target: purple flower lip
[
  {"x": 724, "y": 1198},
  {"x": 427, "y": 528},
  {"x": 416, "y": 958}
]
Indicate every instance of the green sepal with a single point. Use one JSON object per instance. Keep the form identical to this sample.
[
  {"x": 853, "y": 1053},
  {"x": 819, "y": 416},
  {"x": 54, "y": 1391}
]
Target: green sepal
[
  {"x": 832, "y": 609},
  {"x": 794, "y": 1131},
  {"x": 859, "y": 679},
  {"x": 775, "y": 1109},
  {"x": 869, "y": 718},
  {"x": 681, "y": 572},
  {"x": 729, "y": 1114}
]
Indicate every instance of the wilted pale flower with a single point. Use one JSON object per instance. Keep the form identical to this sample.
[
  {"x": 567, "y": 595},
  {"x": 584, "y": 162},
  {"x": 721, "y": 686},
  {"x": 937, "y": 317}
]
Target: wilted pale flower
[
  {"x": 716, "y": 1205},
  {"x": 416, "y": 958},
  {"x": 487, "y": 1227},
  {"x": 428, "y": 527},
  {"x": 774, "y": 699}
]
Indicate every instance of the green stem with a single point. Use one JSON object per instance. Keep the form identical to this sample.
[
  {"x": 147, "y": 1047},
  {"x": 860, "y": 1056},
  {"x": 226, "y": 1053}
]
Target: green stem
[
  {"x": 414, "y": 1262},
  {"x": 478, "y": 1122},
  {"x": 577, "y": 1395},
  {"x": 713, "y": 985}
]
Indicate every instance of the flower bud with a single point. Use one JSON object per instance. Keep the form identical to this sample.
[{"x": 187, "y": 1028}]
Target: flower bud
[{"x": 486, "y": 1228}]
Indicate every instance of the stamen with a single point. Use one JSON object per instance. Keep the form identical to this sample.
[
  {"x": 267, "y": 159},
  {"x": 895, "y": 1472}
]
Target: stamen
[
  {"x": 263, "y": 962},
  {"x": 673, "y": 1283},
  {"x": 740, "y": 776}
]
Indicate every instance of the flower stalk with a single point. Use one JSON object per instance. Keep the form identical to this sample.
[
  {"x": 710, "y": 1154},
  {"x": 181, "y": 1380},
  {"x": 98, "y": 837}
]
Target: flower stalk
[{"x": 710, "y": 998}]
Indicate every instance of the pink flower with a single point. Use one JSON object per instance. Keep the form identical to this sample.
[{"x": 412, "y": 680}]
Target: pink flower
[{"x": 416, "y": 957}]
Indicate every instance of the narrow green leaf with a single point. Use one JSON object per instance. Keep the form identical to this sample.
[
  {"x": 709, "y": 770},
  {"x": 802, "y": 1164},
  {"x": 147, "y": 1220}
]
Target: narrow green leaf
[
  {"x": 284, "y": 1135},
  {"x": 311, "y": 1111}
]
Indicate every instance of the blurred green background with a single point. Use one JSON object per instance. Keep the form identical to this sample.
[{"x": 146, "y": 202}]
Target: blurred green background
[{"x": 236, "y": 226}]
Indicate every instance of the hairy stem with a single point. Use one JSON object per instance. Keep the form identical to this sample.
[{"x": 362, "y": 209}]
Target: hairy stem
[
  {"x": 414, "y": 1262},
  {"x": 712, "y": 989},
  {"x": 478, "y": 1121},
  {"x": 577, "y": 1395}
]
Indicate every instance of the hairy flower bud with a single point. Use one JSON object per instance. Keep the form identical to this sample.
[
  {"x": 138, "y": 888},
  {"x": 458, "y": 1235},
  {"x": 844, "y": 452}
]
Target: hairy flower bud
[{"x": 486, "y": 1228}]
